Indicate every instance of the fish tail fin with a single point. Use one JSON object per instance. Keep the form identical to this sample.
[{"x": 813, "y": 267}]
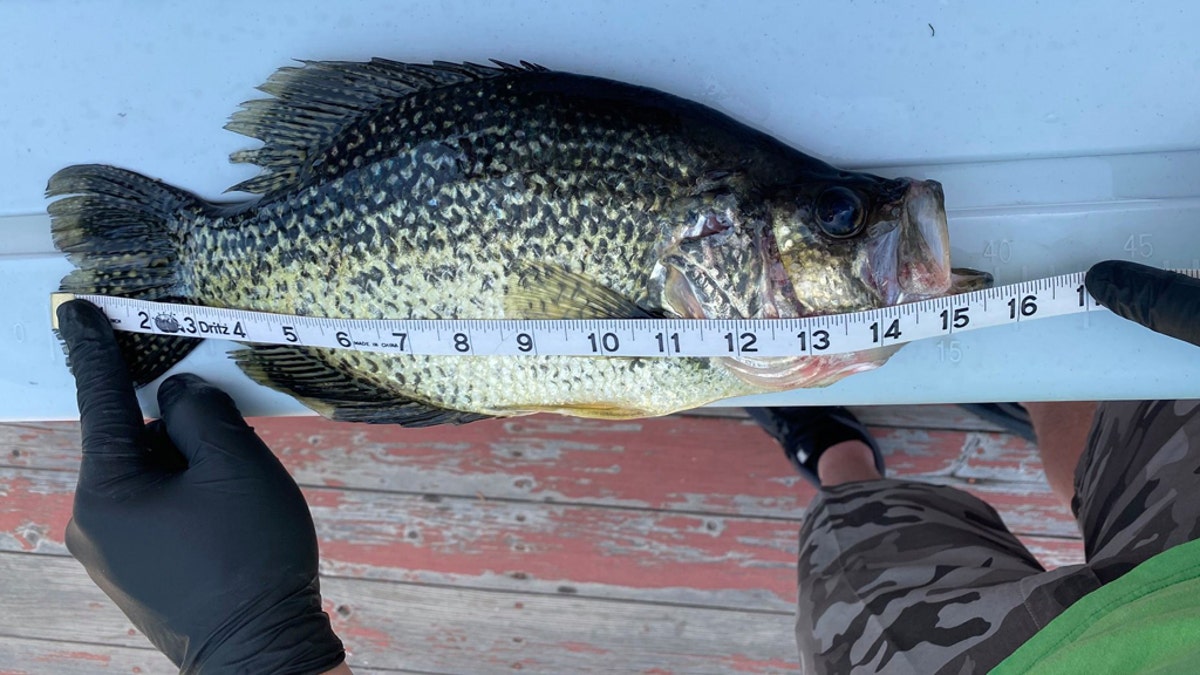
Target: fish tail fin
[{"x": 116, "y": 227}]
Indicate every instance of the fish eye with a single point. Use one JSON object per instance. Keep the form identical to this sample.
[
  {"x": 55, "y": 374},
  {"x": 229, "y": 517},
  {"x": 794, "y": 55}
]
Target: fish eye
[{"x": 839, "y": 212}]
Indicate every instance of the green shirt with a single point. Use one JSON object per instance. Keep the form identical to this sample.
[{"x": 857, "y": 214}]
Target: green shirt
[{"x": 1147, "y": 621}]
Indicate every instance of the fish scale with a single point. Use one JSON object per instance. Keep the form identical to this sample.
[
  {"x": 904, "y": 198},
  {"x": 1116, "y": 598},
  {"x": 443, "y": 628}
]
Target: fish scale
[
  {"x": 482, "y": 384},
  {"x": 393, "y": 190}
]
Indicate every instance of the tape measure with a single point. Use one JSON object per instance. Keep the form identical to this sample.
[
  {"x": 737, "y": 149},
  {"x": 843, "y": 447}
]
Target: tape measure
[{"x": 809, "y": 336}]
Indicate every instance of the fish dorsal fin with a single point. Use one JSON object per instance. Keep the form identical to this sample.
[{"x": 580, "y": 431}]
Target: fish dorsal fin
[
  {"x": 547, "y": 291},
  {"x": 316, "y": 101}
]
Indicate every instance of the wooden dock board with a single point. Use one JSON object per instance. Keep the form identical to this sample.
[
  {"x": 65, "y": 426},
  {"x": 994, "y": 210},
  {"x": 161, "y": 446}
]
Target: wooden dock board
[{"x": 539, "y": 544}]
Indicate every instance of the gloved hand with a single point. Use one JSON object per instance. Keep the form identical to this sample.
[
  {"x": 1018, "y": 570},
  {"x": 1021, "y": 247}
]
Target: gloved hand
[
  {"x": 190, "y": 524},
  {"x": 1165, "y": 302}
]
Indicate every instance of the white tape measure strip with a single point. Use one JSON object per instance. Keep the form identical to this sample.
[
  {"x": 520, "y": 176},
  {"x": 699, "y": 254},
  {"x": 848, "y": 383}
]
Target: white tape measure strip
[{"x": 811, "y": 336}]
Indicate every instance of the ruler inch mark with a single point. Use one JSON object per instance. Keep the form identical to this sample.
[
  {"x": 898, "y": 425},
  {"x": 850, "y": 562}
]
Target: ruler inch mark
[{"x": 796, "y": 336}]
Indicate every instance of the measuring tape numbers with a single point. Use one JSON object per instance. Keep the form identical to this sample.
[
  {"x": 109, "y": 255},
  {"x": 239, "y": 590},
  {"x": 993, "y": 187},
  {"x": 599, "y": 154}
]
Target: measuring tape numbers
[{"x": 809, "y": 336}]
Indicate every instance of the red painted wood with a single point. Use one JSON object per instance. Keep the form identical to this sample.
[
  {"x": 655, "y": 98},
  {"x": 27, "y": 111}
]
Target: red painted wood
[
  {"x": 718, "y": 466},
  {"x": 1054, "y": 552},
  {"x": 686, "y": 511},
  {"x": 744, "y": 562},
  {"x": 41, "y": 657},
  {"x": 438, "y": 629},
  {"x": 703, "y": 464},
  {"x": 551, "y": 547},
  {"x": 34, "y": 510}
]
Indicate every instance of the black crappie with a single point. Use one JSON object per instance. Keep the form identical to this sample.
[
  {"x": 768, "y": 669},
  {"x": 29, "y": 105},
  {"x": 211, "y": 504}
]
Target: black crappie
[{"x": 394, "y": 190}]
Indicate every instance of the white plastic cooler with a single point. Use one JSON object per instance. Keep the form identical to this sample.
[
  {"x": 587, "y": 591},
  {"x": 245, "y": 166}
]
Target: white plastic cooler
[{"x": 1062, "y": 137}]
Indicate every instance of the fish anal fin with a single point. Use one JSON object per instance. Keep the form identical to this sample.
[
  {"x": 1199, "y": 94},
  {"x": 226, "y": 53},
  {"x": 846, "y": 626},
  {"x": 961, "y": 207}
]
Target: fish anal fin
[
  {"x": 405, "y": 412},
  {"x": 149, "y": 356},
  {"x": 334, "y": 394},
  {"x": 547, "y": 291},
  {"x": 146, "y": 356},
  {"x": 599, "y": 410}
]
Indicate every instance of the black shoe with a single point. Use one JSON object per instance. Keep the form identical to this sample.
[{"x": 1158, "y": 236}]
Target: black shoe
[{"x": 806, "y": 432}]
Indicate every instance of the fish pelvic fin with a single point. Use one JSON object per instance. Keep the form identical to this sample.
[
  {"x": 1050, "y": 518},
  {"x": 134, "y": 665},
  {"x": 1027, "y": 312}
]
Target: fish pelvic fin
[
  {"x": 301, "y": 372},
  {"x": 317, "y": 101},
  {"x": 115, "y": 226},
  {"x": 548, "y": 291}
]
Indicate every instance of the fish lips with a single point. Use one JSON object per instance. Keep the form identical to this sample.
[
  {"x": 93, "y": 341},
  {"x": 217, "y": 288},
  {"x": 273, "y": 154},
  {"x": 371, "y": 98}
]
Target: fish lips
[{"x": 911, "y": 261}]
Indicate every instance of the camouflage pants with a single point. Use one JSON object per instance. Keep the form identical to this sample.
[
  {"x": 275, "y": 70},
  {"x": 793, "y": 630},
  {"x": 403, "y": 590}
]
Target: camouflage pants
[{"x": 905, "y": 577}]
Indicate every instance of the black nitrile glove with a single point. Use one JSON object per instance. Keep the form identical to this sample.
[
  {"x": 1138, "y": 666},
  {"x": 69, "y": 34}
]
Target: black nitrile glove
[
  {"x": 1164, "y": 302},
  {"x": 190, "y": 524}
]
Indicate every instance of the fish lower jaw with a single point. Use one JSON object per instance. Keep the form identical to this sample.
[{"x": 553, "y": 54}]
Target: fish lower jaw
[{"x": 804, "y": 372}]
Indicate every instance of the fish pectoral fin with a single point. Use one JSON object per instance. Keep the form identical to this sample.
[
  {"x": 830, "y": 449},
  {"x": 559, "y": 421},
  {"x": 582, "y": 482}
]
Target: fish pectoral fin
[
  {"x": 332, "y": 393},
  {"x": 547, "y": 291}
]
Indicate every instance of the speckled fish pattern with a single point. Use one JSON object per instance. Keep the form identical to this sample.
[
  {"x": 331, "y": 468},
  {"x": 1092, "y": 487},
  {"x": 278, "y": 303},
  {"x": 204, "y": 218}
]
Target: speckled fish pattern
[{"x": 452, "y": 191}]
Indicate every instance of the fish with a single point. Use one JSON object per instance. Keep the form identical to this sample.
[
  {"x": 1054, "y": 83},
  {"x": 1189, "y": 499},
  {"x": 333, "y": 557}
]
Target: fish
[{"x": 392, "y": 190}]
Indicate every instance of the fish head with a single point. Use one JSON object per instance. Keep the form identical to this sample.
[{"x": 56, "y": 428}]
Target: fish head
[
  {"x": 862, "y": 242},
  {"x": 844, "y": 243}
]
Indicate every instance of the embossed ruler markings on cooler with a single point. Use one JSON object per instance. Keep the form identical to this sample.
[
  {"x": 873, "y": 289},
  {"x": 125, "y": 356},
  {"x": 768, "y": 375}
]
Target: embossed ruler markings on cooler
[{"x": 810, "y": 336}]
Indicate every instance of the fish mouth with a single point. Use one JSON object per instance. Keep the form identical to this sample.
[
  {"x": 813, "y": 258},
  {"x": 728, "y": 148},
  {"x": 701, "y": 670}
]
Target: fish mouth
[
  {"x": 925, "y": 241},
  {"x": 912, "y": 261}
]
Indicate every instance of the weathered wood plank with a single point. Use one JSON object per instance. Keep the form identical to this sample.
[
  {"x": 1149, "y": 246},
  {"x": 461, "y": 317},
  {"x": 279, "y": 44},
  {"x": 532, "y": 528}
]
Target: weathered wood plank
[
  {"x": 452, "y": 460},
  {"x": 20, "y": 656},
  {"x": 999, "y": 458},
  {"x": 666, "y": 464},
  {"x": 416, "y": 627},
  {"x": 50, "y": 598},
  {"x": 34, "y": 509},
  {"x": 1006, "y": 471},
  {"x": 597, "y": 551},
  {"x": 1055, "y": 552},
  {"x": 674, "y": 510},
  {"x": 715, "y": 466},
  {"x": 548, "y": 548},
  {"x": 40, "y": 445},
  {"x": 924, "y": 417},
  {"x": 700, "y": 465},
  {"x": 69, "y": 593},
  {"x": 691, "y": 463},
  {"x": 705, "y": 560}
]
